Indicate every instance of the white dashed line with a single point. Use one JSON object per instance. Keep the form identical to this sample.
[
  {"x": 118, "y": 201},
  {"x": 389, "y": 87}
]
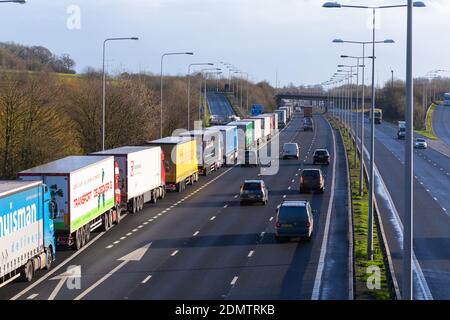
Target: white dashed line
[
  {"x": 225, "y": 206},
  {"x": 271, "y": 218},
  {"x": 116, "y": 242},
  {"x": 145, "y": 223},
  {"x": 146, "y": 279},
  {"x": 284, "y": 196},
  {"x": 34, "y": 295},
  {"x": 251, "y": 253},
  {"x": 129, "y": 234},
  {"x": 140, "y": 227},
  {"x": 109, "y": 247},
  {"x": 435, "y": 199},
  {"x": 174, "y": 253},
  {"x": 135, "y": 230},
  {"x": 262, "y": 234},
  {"x": 233, "y": 282},
  {"x": 123, "y": 238},
  {"x": 212, "y": 218},
  {"x": 196, "y": 233}
]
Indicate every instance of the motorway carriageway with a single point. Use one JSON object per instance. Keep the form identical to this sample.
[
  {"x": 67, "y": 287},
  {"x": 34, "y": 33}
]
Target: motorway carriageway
[
  {"x": 201, "y": 244},
  {"x": 431, "y": 209}
]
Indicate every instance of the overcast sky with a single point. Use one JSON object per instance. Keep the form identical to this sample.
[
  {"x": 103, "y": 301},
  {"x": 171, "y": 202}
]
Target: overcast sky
[{"x": 262, "y": 37}]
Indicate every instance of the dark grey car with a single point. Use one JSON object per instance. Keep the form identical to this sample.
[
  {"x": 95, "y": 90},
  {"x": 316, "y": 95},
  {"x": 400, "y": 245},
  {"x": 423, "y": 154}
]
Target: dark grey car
[
  {"x": 254, "y": 191},
  {"x": 294, "y": 219},
  {"x": 312, "y": 180}
]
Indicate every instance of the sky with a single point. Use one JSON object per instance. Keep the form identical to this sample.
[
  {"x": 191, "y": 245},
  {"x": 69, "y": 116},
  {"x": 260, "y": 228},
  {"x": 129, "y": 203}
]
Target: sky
[{"x": 291, "y": 38}]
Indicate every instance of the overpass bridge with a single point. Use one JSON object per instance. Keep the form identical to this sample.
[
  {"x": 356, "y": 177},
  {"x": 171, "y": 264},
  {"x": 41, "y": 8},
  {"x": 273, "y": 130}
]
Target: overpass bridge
[{"x": 314, "y": 97}]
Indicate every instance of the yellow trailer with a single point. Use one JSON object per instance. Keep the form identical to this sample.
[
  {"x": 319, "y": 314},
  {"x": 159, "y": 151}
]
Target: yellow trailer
[{"x": 180, "y": 161}]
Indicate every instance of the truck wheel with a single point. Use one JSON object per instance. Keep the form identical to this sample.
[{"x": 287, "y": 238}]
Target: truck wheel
[
  {"x": 49, "y": 258},
  {"x": 154, "y": 197},
  {"x": 134, "y": 209},
  {"x": 27, "y": 272},
  {"x": 87, "y": 233},
  {"x": 78, "y": 240},
  {"x": 105, "y": 222},
  {"x": 180, "y": 186},
  {"x": 163, "y": 192},
  {"x": 118, "y": 215},
  {"x": 83, "y": 236},
  {"x": 141, "y": 206}
]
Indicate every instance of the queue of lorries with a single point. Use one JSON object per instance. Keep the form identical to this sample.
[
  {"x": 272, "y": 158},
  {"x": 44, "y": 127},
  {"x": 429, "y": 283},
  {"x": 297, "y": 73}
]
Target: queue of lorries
[{"x": 61, "y": 202}]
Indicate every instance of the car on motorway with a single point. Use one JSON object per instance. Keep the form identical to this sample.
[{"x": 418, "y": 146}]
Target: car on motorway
[
  {"x": 420, "y": 143},
  {"x": 294, "y": 220},
  {"x": 321, "y": 156},
  {"x": 312, "y": 180},
  {"x": 254, "y": 191},
  {"x": 308, "y": 124},
  {"x": 290, "y": 150}
]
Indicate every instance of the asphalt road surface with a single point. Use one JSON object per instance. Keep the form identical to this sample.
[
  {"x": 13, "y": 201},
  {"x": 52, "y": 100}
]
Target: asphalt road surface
[
  {"x": 201, "y": 244},
  {"x": 441, "y": 123},
  {"x": 431, "y": 209},
  {"x": 219, "y": 105}
]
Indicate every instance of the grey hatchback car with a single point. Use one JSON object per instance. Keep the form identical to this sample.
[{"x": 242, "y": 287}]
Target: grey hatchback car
[
  {"x": 294, "y": 219},
  {"x": 254, "y": 191}
]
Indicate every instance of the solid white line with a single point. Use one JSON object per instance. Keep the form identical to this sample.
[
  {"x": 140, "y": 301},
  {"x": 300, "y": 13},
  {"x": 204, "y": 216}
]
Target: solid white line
[
  {"x": 34, "y": 295},
  {"x": 146, "y": 279},
  {"x": 51, "y": 272},
  {"x": 174, "y": 253},
  {"x": 323, "y": 250},
  {"x": 101, "y": 280},
  {"x": 233, "y": 282}
]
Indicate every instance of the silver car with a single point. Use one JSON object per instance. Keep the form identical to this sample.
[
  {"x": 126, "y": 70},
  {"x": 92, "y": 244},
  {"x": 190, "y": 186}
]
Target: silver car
[
  {"x": 420, "y": 143},
  {"x": 290, "y": 150}
]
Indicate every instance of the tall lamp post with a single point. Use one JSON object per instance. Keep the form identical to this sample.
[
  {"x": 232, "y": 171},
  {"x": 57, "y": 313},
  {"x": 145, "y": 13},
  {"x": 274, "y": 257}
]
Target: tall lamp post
[
  {"x": 203, "y": 72},
  {"x": 161, "y": 85},
  {"x": 407, "y": 245},
  {"x": 189, "y": 88},
  {"x": 104, "y": 84}
]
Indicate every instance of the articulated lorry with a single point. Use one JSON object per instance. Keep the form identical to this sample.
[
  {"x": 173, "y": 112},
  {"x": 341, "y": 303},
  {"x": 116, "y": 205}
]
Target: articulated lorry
[
  {"x": 180, "y": 161},
  {"x": 27, "y": 241},
  {"x": 84, "y": 195},
  {"x": 266, "y": 126},
  {"x": 257, "y": 130},
  {"x": 209, "y": 149},
  {"x": 378, "y": 116},
  {"x": 307, "y": 111},
  {"x": 142, "y": 177},
  {"x": 230, "y": 143},
  {"x": 401, "y": 131},
  {"x": 282, "y": 118},
  {"x": 245, "y": 134},
  {"x": 289, "y": 112}
]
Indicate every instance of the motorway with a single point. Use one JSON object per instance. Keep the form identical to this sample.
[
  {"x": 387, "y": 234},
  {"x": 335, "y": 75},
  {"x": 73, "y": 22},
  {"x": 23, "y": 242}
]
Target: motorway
[
  {"x": 218, "y": 105},
  {"x": 431, "y": 209},
  {"x": 201, "y": 244},
  {"x": 441, "y": 123}
]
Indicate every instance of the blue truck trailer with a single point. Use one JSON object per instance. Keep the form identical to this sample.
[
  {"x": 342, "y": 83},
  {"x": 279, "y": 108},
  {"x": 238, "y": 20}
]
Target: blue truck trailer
[
  {"x": 230, "y": 143},
  {"x": 27, "y": 242}
]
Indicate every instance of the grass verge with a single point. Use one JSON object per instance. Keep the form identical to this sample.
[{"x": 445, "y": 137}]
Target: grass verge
[
  {"x": 428, "y": 132},
  {"x": 360, "y": 215}
]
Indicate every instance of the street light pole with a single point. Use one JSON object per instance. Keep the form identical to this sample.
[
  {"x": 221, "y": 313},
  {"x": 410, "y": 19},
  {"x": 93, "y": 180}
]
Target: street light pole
[
  {"x": 104, "y": 85},
  {"x": 189, "y": 88},
  {"x": 161, "y": 84}
]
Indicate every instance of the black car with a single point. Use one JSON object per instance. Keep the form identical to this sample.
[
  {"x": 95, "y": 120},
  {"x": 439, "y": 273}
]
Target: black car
[
  {"x": 321, "y": 156},
  {"x": 254, "y": 191},
  {"x": 308, "y": 124},
  {"x": 312, "y": 180}
]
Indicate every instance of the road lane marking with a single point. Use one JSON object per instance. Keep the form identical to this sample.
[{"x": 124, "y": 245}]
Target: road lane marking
[
  {"x": 225, "y": 206},
  {"x": 212, "y": 218},
  {"x": 109, "y": 247},
  {"x": 129, "y": 234},
  {"x": 271, "y": 218},
  {"x": 146, "y": 279},
  {"x": 251, "y": 253},
  {"x": 34, "y": 295},
  {"x": 323, "y": 250},
  {"x": 233, "y": 282},
  {"x": 262, "y": 234},
  {"x": 174, "y": 253},
  {"x": 196, "y": 233},
  {"x": 51, "y": 272}
]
